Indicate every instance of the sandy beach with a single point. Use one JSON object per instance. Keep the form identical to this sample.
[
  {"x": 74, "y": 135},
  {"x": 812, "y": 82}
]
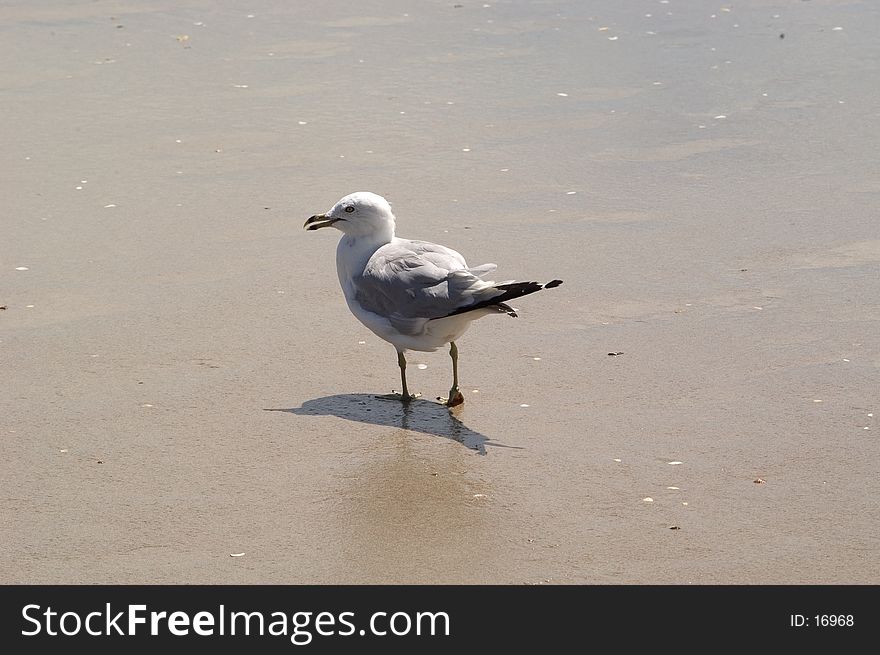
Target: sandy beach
[{"x": 187, "y": 399}]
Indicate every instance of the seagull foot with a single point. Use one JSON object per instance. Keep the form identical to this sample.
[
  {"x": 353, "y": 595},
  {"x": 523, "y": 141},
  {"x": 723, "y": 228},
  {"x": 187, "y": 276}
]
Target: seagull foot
[
  {"x": 455, "y": 398},
  {"x": 399, "y": 397}
]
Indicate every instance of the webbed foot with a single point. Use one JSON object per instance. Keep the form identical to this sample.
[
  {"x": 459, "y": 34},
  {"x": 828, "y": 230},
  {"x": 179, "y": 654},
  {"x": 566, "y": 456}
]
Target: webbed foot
[{"x": 455, "y": 398}]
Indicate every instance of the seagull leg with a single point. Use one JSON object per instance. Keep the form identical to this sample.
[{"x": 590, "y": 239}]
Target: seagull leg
[
  {"x": 455, "y": 396},
  {"x": 405, "y": 396},
  {"x": 401, "y": 362}
]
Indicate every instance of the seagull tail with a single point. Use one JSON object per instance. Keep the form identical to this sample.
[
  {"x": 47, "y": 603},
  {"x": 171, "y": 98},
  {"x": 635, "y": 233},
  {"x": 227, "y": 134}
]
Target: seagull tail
[{"x": 508, "y": 291}]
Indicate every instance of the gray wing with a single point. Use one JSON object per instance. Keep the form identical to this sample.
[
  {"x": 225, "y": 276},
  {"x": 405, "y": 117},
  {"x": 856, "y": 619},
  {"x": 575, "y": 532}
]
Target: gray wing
[{"x": 412, "y": 282}]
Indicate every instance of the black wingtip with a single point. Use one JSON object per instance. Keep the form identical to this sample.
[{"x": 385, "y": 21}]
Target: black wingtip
[{"x": 509, "y": 291}]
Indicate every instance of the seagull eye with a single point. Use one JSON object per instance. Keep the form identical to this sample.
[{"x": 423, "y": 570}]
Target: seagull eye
[{"x": 349, "y": 209}]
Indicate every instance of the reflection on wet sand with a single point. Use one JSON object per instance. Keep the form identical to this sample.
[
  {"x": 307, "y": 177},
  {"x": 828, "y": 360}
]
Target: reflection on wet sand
[
  {"x": 409, "y": 514},
  {"x": 411, "y": 517}
]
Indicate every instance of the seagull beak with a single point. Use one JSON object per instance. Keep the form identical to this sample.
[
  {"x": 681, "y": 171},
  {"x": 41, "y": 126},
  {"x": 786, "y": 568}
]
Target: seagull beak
[{"x": 318, "y": 221}]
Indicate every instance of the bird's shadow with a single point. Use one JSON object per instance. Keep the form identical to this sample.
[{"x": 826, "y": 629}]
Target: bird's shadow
[{"x": 417, "y": 415}]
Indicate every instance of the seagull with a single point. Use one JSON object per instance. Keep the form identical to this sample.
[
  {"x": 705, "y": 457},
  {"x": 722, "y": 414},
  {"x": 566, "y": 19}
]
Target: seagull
[{"x": 415, "y": 295}]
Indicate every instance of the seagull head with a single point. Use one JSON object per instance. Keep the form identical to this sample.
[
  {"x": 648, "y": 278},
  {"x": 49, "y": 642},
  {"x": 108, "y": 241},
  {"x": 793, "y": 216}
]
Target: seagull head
[{"x": 357, "y": 214}]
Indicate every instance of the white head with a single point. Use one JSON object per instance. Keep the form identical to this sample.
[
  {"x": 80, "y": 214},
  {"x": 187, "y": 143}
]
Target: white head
[{"x": 357, "y": 214}]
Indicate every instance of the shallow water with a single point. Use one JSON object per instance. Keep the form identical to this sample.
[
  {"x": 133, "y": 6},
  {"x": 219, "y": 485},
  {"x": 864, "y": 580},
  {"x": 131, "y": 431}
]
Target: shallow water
[{"x": 703, "y": 180}]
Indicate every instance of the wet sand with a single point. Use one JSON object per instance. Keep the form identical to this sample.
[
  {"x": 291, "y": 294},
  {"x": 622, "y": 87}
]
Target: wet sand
[{"x": 183, "y": 381}]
